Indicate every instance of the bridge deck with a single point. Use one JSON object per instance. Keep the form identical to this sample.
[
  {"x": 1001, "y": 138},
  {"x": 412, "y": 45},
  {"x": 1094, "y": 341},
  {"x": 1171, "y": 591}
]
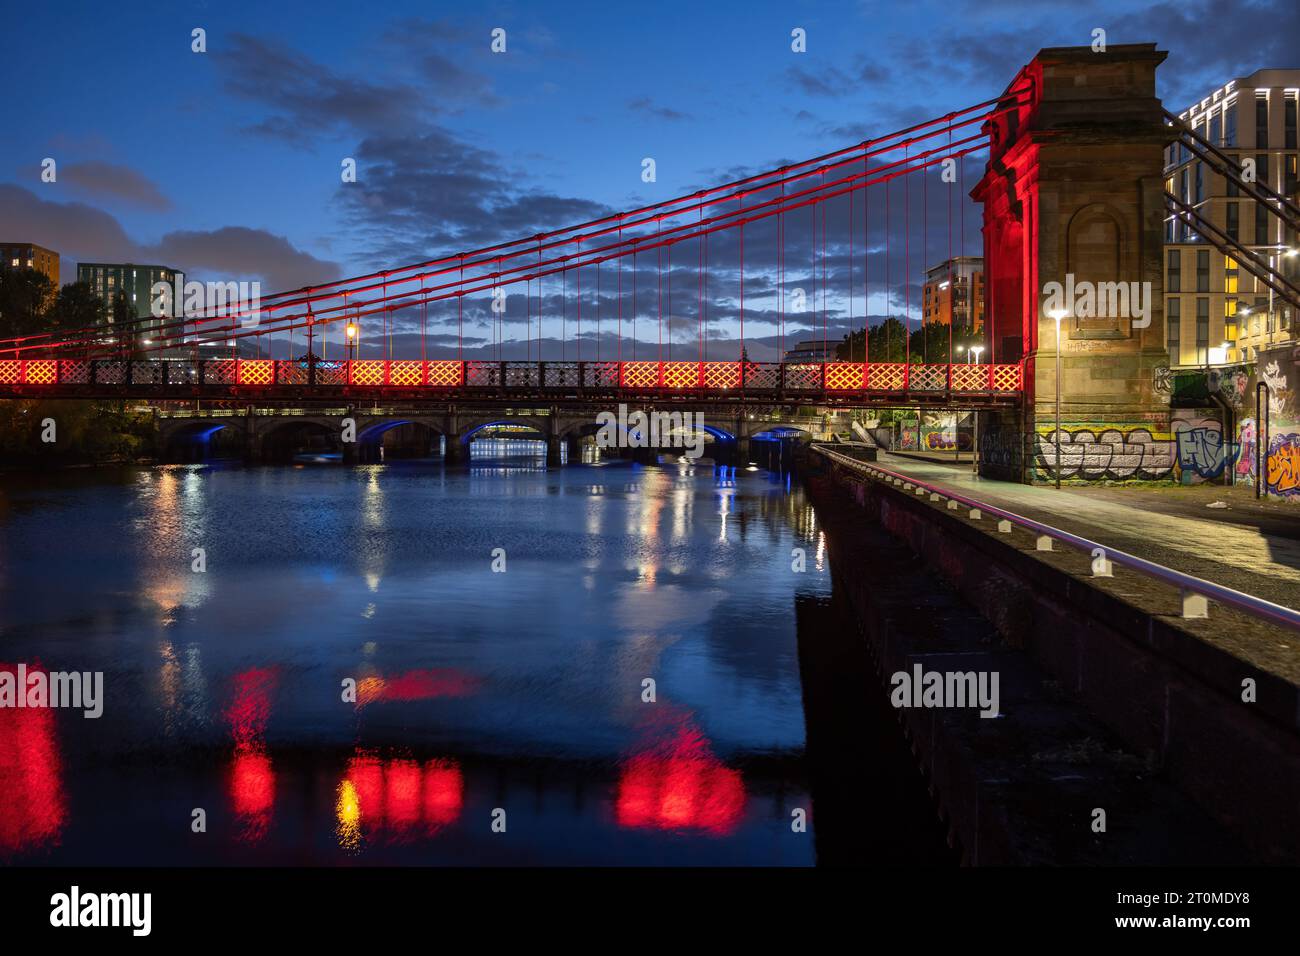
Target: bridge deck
[{"x": 798, "y": 383}]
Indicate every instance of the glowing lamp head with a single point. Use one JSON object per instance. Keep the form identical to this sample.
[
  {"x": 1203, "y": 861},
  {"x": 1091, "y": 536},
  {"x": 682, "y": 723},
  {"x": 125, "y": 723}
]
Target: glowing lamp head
[
  {"x": 352, "y": 331},
  {"x": 1058, "y": 314}
]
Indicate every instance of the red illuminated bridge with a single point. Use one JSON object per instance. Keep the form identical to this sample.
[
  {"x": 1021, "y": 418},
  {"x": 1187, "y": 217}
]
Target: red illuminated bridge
[{"x": 650, "y": 303}]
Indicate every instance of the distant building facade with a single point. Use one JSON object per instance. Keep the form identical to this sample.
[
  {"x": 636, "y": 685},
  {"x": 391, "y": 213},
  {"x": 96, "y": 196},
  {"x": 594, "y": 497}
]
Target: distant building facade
[
  {"x": 28, "y": 255},
  {"x": 1216, "y": 312},
  {"x": 106, "y": 279},
  {"x": 811, "y": 350},
  {"x": 953, "y": 294}
]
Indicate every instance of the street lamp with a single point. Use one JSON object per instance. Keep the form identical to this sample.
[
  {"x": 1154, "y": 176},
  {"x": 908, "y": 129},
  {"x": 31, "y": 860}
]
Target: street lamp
[
  {"x": 1058, "y": 315},
  {"x": 976, "y": 350},
  {"x": 351, "y": 330}
]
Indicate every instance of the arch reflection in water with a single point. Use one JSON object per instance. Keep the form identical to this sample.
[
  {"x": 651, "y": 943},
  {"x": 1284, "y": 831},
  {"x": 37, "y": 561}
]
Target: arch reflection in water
[
  {"x": 679, "y": 784},
  {"x": 396, "y": 797},
  {"x": 33, "y": 805}
]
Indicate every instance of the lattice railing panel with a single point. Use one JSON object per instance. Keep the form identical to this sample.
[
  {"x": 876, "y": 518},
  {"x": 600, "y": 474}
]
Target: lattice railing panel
[
  {"x": 74, "y": 371},
  {"x": 406, "y": 374},
  {"x": 446, "y": 373},
  {"x": 970, "y": 378},
  {"x": 600, "y": 375},
  {"x": 291, "y": 373},
  {"x": 331, "y": 373},
  {"x": 681, "y": 374},
  {"x": 804, "y": 376},
  {"x": 41, "y": 372},
  {"x": 215, "y": 372},
  {"x": 366, "y": 372},
  {"x": 887, "y": 376},
  {"x": 482, "y": 374},
  {"x": 722, "y": 375},
  {"x": 256, "y": 372},
  {"x": 11, "y": 372},
  {"x": 187, "y": 373},
  {"x": 148, "y": 373},
  {"x": 762, "y": 376},
  {"x": 1006, "y": 378},
  {"x": 927, "y": 378},
  {"x": 523, "y": 375},
  {"x": 640, "y": 374},
  {"x": 843, "y": 376},
  {"x": 561, "y": 375}
]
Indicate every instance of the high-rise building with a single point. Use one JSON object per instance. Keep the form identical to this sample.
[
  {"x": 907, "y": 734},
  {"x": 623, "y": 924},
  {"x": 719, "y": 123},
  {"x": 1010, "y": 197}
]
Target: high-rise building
[
  {"x": 106, "y": 279},
  {"x": 1215, "y": 310},
  {"x": 954, "y": 293},
  {"x": 28, "y": 255}
]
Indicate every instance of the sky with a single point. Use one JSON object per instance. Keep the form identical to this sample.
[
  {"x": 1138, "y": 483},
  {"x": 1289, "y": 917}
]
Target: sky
[{"x": 227, "y": 163}]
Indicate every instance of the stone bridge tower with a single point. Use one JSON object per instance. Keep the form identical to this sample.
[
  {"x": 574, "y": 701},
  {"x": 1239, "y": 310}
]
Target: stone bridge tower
[{"x": 1074, "y": 194}]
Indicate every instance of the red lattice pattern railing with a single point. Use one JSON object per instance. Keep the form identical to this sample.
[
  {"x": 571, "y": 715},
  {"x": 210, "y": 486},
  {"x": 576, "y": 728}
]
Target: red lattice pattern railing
[
  {"x": 406, "y": 374},
  {"x": 887, "y": 376},
  {"x": 444, "y": 374},
  {"x": 640, "y": 374},
  {"x": 681, "y": 375},
  {"x": 41, "y": 372},
  {"x": 927, "y": 378},
  {"x": 970, "y": 378},
  {"x": 722, "y": 375},
  {"x": 256, "y": 371},
  {"x": 1005, "y": 378},
  {"x": 758, "y": 377},
  {"x": 842, "y": 376}
]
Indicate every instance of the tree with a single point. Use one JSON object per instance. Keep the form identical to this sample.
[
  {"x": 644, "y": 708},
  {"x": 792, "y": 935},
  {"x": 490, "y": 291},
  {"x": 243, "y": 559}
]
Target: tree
[
  {"x": 76, "y": 307},
  {"x": 890, "y": 341},
  {"x": 24, "y": 297}
]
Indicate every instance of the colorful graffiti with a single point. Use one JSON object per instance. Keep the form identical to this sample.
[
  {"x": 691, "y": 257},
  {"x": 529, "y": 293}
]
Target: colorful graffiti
[
  {"x": 1105, "y": 453},
  {"x": 1283, "y": 469},
  {"x": 1246, "y": 443}
]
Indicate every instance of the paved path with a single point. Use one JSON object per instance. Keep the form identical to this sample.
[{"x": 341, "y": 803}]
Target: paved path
[{"x": 1250, "y": 546}]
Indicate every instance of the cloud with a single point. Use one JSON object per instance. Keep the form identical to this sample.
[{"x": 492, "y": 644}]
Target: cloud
[
  {"x": 81, "y": 232},
  {"x": 643, "y": 104},
  {"x": 110, "y": 182}
]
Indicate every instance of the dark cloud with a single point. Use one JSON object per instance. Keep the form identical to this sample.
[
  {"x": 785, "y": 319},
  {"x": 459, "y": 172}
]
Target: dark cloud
[
  {"x": 110, "y": 182},
  {"x": 80, "y": 232},
  {"x": 309, "y": 98}
]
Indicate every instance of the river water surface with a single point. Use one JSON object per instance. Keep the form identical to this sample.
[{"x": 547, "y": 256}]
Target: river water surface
[{"x": 500, "y": 624}]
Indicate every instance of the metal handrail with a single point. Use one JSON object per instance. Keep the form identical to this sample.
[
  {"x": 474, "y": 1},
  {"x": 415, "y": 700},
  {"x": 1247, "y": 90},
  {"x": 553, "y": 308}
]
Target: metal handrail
[{"x": 1187, "y": 583}]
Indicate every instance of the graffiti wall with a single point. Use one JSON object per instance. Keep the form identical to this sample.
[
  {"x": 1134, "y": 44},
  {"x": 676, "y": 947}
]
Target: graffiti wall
[
  {"x": 1103, "y": 452},
  {"x": 1200, "y": 451}
]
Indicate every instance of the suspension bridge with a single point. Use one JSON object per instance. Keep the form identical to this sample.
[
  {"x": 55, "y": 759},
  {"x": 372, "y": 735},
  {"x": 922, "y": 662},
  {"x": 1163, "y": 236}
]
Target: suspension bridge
[{"x": 660, "y": 303}]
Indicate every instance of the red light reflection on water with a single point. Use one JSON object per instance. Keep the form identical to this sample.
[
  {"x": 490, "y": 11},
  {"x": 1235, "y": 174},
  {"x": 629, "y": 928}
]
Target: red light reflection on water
[
  {"x": 416, "y": 685},
  {"x": 398, "y": 797},
  {"x": 679, "y": 784},
  {"x": 252, "y": 777},
  {"x": 33, "y": 806}
]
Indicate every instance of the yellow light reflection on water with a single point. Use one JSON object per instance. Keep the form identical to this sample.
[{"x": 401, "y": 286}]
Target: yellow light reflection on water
[{"x": 348, "y": 811}]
